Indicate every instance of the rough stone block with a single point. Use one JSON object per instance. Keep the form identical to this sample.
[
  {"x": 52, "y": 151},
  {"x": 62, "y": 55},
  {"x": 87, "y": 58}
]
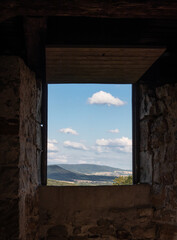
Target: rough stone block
[
  {"x": 57, "y": 232},
  {"x": 19, "y": 166},
  {"x": 9, "y": 219},
  {"x": 145, "y": 167},
  {"x": 144, "y": 135},
  {"x": 9, "y": 150},
  {"x": 9, "y": 177}
]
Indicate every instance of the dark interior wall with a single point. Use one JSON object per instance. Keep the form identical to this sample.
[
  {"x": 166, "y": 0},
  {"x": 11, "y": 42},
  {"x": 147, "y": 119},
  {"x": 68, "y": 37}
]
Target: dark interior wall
[
  {"x": 30, "y": 153},
  {"x": 20, "y": 134},
  {"x": 134, "y": 217},
  {"x": 158, "y": 138},
  {"x": 111, "y": 32},
  {"x": 20, "y": 143},
  {"x": 12, "y": 37},
  {"x": 159, "y": 153},
  {"x": 10, "y": 147}
]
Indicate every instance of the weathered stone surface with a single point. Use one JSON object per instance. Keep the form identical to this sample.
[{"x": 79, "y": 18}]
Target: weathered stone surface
[
  {"x": 167, "y": 232},
  {"x": 108, "y": 213},
  {"x": 10, "y": 147},
  {"x": 145, "y": 212},
  {"x": 30, "y": 146},
  {"x": 123, "y": 235},
  {"x": 19, "y": 165},
  {"x": 9, "y": 151},
  {"x": 104, "y": 222},
  {"x": 10, "y": 179},
  {"x": 139, "y": 232},
  {"x": 146, "y": 167},
  {"x": 76, "y": 230},
  {"x": 102, "y": 230},
  {"x": 159, "y": 155},
  {"x": 57, "y": 232},
  {"x": 9, "y": 219}
]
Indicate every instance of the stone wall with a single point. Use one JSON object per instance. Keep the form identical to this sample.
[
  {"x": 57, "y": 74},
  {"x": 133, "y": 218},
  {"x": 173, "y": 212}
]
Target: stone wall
[
  {"x": 9, "y": 147},
  {"x": 20, "y": 149},
  {"x": 141, "y": 212},
  {"x": 108, "y": 213},
  {"x": 30, "y": 151},
  {"x": 158, "y": 156}
]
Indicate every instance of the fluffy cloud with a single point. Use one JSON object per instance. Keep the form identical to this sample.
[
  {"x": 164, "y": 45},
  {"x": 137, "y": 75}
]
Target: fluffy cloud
[
  {"x": 68, "y": 131},
  {"x": 51, "y": 145},
  {"x": 52, "y": 141},
  {"x": 105, "y": 98},
  {"x": 75, "y": 145},
  {"x": 114, "y": 131},
  {"x": 123, "y": 144},
  {"x": 57, "y": 159},
  {"x": 53, "y": 153},
  {"x": 100, "y": 149}
]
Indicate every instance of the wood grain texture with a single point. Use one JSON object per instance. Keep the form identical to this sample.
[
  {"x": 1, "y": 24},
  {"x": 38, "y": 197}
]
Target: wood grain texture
[
  {"x": 95, "y": 8},
  {"x": 98, "y": 65}
]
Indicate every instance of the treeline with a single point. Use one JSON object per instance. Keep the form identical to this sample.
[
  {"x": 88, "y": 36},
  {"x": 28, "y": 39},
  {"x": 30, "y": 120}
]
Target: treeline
[{"x": 123, "y": 180}]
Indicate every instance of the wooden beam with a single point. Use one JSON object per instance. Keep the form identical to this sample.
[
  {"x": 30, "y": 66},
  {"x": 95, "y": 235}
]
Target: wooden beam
[
  {"x": 98, "y": 65},
  {"x": 91, "y": 8}
]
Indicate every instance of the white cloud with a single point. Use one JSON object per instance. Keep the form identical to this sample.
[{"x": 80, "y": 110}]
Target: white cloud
[
  {"x": 100, "y": 149},
  {"x": 52, "y": 141},
  {"x": 123, "y": 144},
  {"x": 75, "y": 145},
  {"x": 114, "y": 131},
  {"x": 68, "y": 131},
  {"x": 51, "y": 145},
  {"x": 53, "y": 155},
  {"x": 102, "y": 97},
  {"x": 57, "y": 159}
]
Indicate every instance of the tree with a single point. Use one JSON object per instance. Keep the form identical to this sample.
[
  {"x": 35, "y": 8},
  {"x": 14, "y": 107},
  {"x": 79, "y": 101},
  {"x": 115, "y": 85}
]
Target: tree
[{"x": 123, "y": 180}]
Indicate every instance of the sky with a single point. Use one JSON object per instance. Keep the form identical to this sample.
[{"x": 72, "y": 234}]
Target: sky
[{"x": 90, "y": 124}]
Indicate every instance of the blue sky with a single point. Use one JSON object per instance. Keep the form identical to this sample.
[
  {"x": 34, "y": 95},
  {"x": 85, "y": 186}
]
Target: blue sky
[{"x": 90, "y": 123}]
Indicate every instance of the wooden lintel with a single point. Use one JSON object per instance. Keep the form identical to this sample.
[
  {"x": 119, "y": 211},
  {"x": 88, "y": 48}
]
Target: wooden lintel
[
  {"x": 98, "y": 65},
  {"x": 107, "y": 9}
]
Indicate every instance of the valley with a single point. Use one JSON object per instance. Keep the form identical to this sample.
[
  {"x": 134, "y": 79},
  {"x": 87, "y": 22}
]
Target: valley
[{"x": 83, "y": 174}]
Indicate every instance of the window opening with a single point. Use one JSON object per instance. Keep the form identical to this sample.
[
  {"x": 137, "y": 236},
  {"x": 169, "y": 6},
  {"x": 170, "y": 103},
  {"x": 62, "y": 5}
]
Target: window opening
[{"x": 89, "y": 134}]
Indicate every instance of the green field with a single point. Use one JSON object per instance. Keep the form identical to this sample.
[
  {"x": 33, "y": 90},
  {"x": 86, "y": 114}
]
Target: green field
[{"x": 52, "y": 182}]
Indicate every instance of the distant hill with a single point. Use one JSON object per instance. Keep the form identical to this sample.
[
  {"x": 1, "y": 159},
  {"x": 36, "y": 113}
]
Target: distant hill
[
  {"x": 58, "y": 173},
  {"x": 89, "y": 168}
]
